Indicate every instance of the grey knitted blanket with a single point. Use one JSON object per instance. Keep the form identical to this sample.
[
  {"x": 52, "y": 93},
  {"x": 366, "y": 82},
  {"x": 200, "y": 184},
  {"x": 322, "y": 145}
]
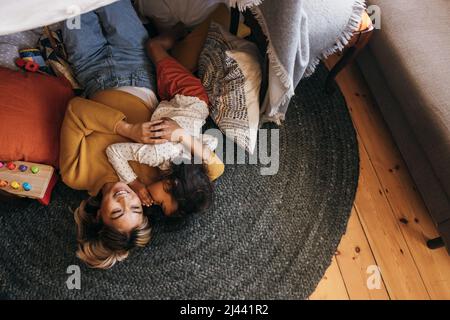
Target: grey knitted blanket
[{"x": 300, "y": 34}]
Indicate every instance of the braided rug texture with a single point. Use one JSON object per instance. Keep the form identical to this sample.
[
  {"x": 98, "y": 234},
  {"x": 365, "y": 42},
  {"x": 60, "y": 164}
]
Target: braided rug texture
[{"x": 266, "y": 237}]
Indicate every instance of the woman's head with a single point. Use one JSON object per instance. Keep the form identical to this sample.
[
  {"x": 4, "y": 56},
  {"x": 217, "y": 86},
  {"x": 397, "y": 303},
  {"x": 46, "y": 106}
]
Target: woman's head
[
  {"x": 183, "y": 189},
  {"x": 110, "y": 225},
  {"x": 120, "y": 207}
]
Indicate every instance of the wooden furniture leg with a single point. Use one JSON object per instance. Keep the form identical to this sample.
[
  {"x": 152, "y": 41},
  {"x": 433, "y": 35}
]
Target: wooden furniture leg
[
  {"x": 362, "y": 39},
  {"x": 234, "y": 25},
  {"x": 435, "y": 243}
]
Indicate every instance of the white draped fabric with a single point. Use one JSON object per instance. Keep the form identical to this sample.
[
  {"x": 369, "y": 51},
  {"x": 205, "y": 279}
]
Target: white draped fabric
[{"x": 21, "y": 15}]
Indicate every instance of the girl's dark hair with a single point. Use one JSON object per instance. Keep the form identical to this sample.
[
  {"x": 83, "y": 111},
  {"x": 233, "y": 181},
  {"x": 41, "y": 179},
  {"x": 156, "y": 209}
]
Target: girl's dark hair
[{"x": 191, "y": 187}]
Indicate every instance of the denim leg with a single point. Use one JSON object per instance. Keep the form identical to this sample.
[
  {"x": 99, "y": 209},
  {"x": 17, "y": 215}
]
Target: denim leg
[
  {"x": 122, "y": 26},
  {"x": 88, "y": 51},
  {"x": 127, "y": 37}
]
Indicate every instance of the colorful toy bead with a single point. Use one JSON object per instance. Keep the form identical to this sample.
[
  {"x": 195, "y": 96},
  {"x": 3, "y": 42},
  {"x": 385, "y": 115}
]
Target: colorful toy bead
[
  {"x": 11, "y": 165},
  {"x": 35, "y": 169},
  {"x": 31, "y": 66},
  {"x": 26, "y": 186},
  {"x": 3, "y": 183},
  {"x": 15, "y": 185},
  {"x": 2, "y": 164},
  {"x": 23, "y": 168}
]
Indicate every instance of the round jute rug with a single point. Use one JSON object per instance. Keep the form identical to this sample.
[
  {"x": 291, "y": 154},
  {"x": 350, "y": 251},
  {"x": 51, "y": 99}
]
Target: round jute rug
[{"x": 267, "y": 237}]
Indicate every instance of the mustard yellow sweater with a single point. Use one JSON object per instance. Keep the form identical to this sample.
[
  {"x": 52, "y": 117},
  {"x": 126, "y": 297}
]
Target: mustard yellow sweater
[{"x": 89, "y": 127}]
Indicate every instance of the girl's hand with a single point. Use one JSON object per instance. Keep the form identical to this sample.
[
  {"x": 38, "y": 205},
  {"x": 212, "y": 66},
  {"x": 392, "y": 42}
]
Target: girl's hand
[
  {"x": 168, "y": 130},
  {"x": 140, "y": 132},
  {"x": 141, "y": 190}
]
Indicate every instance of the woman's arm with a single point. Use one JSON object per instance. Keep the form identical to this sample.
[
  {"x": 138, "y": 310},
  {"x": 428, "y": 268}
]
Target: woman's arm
[
  {"x": 90, "y": 116},
  {"x": 81, "y": 163},
  {"x": 140, "y": 132}
]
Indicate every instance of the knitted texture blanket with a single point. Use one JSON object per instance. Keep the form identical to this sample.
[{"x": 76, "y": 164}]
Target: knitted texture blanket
[{"x": 300, "y": 34}]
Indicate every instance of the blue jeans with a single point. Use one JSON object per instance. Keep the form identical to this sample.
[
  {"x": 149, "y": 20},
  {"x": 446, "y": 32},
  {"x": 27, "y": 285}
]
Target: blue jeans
[{"x": 108, "y": 51}]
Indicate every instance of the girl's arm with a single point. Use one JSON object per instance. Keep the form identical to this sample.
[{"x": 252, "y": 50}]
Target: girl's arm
[
  {"x": 202, "y": 151},
  {"x": 170, "y": 130},
  {"x": 120, "y": 153}
]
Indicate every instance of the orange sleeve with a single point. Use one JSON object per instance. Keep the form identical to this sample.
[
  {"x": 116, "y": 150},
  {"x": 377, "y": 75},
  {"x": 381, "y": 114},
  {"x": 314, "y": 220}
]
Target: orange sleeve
[
  {"x": 215, "y": 167},
  {"x": 175, "y": 79}
]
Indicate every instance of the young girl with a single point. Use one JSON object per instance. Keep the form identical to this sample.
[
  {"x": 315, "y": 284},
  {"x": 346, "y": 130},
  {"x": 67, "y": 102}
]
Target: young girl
[{"x": 178, "y": 119}]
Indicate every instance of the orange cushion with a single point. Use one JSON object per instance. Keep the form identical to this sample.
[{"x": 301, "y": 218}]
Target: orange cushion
[{"x": 32, "y": 107}]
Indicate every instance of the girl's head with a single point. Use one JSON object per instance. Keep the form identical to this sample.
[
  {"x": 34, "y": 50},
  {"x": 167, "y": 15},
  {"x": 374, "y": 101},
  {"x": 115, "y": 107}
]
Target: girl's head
[
  {"x": 182, "y": 190},
  {"x": 110, "y": 225}
]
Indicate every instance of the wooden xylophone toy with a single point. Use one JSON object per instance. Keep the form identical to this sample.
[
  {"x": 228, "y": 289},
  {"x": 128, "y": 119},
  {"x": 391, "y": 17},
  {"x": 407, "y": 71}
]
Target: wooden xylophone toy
[{"x": 27, "y": 179}]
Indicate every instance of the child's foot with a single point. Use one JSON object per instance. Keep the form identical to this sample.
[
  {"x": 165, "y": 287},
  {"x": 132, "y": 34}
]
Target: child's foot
[{"x": 169, "y": 38}]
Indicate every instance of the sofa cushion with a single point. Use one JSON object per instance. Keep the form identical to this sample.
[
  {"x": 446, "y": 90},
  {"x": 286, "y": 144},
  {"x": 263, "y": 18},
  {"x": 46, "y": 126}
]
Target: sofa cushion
[{"x": 412, "y": 49}]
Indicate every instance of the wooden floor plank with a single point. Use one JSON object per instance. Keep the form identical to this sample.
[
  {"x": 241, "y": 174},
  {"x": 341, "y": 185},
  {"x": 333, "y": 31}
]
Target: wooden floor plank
[
  {"x": 392, "y": 222},
  {"x": 407, "y": 205},
  {"x": 399, "y": 271},
  {"x": 332, "y": 286},
  {"x": 356, "y": 262}
]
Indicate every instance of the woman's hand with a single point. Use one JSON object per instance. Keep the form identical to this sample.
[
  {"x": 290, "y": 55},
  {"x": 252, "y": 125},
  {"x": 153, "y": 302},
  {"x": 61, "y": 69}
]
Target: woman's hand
[
  {"x": 140, "y": 132},
  {"x": 168, "y": 130},
  {"x": 141, "y": 190}
]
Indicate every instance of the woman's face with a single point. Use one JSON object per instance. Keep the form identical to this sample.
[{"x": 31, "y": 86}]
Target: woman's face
[
  {"x": 121, "y": 208},
  {"x": 162, "y": 198}
]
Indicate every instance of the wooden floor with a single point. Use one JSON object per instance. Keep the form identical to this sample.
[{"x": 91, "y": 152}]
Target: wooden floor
[{"x": 384, "y": 246}]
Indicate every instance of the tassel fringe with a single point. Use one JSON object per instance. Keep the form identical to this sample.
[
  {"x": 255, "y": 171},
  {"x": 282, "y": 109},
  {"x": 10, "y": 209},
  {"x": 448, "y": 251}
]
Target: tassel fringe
[
  {"x": 355, "y": 19},
  {"x": 279, "y": 70},
  {"x": 244, "y": 4}
]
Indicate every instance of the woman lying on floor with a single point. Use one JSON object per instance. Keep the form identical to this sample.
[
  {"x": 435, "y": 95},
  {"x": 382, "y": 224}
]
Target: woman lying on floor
[{"x": 109, "y": 59}]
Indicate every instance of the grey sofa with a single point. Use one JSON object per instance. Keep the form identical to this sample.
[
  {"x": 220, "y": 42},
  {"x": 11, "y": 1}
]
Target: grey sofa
[{"x": 407, "y": 66}]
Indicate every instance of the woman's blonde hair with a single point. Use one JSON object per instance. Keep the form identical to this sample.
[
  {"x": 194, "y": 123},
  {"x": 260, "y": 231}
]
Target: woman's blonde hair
[{"x": 101, "y": 246}]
